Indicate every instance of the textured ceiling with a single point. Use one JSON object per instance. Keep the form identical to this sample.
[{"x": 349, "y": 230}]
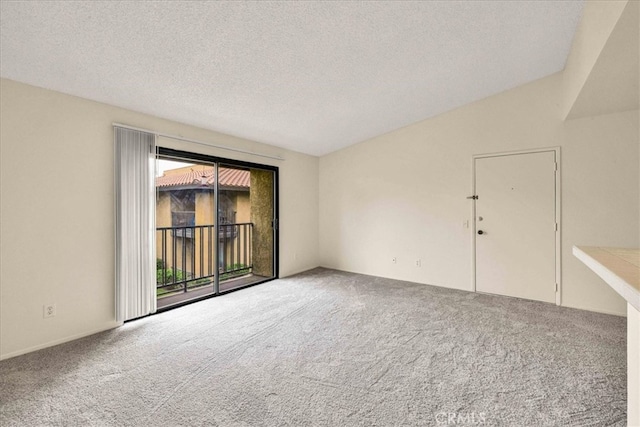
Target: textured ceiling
[{"x": 308, "y": 76}]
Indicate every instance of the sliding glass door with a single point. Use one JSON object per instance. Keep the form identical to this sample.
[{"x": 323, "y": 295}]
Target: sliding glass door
[{"x": 216, "y": 226}]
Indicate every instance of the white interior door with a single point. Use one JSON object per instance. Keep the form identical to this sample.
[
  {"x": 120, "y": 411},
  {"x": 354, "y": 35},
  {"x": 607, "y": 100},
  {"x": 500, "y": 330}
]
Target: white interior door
[{"x": 515, "y": 225}]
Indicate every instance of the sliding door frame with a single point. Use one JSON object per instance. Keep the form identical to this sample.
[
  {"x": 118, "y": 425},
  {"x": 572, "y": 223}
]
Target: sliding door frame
[{"x": 217, "y": 161}]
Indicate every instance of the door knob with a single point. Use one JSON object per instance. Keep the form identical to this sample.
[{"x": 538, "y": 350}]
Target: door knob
[{"x": 480, "y": 232}]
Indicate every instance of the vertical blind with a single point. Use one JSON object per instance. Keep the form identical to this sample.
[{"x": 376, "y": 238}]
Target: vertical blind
[{"x": 135, "y": 223}]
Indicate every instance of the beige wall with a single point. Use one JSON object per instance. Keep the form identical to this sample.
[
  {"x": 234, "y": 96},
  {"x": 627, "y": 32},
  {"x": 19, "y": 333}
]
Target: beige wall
[
  {"x": 163, "y": 209},
  {"x": 243, "y": 207},
  {"x": 204, "y": 208},
  {"x": 633, "y": 366},
  {"x": 404, "y": 194},
  {"x": 599, "y": 19},
  {"x": 57, "y": 210}
]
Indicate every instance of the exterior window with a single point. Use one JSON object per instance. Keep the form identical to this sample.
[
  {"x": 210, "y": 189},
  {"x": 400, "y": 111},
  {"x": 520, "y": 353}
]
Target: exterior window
[
  {"x": 183, "y": 211},
  {"x": 226, "y": 209}
]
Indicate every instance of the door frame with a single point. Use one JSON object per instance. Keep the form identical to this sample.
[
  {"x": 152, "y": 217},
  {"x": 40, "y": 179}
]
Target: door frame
[{"x": 558, "y": 211}]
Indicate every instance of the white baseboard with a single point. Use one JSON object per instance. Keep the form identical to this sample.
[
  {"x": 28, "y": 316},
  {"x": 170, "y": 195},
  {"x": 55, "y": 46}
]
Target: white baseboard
[
  {"x": 58, "y": 341},
  {"x": 613, "y": 313}
]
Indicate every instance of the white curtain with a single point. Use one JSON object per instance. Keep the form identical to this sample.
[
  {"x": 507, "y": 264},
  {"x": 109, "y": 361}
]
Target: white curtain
[{"x": 135, "y": 223}]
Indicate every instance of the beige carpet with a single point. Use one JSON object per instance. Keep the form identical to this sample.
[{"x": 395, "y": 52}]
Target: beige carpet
[{"x": 327, "y": 348}]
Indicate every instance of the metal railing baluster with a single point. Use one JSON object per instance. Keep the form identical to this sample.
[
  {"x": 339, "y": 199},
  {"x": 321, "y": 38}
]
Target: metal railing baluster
[{"x": 183, "y": 247}]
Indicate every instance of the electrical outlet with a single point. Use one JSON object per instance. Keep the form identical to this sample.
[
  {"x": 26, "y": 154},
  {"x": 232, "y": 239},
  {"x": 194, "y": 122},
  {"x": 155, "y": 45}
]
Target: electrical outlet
[
  {"x": 418, "y": 263},
  {"x": 49, "y": 310},
  {"x": 394, "y": 260}
]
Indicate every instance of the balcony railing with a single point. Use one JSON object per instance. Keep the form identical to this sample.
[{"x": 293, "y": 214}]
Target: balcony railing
[{"x": 186, "y": 255}]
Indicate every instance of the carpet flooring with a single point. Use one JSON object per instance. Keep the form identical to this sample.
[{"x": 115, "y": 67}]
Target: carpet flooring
[{"x": 328, "y": 348}]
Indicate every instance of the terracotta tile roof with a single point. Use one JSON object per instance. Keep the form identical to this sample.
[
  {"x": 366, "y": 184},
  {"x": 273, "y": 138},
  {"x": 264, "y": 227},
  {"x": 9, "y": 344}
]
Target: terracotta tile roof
[{"x": 228, "y": 177}]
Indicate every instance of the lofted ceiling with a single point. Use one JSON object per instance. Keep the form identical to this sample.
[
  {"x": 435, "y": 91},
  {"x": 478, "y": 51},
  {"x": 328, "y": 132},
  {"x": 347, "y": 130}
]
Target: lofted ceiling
[
  {"x": 311, "y": 77},
  {"x": 612, "y": 60}
]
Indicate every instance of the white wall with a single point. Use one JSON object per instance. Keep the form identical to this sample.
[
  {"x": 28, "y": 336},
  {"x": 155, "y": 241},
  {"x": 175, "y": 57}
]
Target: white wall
[
  {"x": 57, "y": 210},
  {"x": 403, "y": 194}
]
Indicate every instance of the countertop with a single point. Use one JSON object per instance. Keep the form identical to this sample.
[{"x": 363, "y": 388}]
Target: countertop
[{"x": 619, "y": 267}]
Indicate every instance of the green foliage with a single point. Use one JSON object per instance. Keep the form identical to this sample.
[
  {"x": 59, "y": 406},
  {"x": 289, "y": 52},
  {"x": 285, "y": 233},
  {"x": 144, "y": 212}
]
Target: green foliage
[
  {"x": 242, "y": 269},
  {"x": 200, "y": 282},
  {"x": 169, "y": 275},
  {"x": 165, "y": 277}
]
